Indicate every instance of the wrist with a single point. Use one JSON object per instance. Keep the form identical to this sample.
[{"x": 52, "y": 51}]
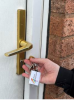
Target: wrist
[{"x": 56, "y": 72}]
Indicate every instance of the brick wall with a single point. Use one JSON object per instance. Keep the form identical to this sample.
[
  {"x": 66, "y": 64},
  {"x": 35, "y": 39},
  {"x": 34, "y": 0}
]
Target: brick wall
[{"x": 61, "y": 41}]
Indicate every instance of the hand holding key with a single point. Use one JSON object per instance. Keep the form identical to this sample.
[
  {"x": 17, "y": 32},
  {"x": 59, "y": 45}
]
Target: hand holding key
[{"x": 49, "y": 70}]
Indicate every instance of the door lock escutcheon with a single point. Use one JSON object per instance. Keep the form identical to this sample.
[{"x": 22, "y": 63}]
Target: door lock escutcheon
[{"x": 22, "y": 45}]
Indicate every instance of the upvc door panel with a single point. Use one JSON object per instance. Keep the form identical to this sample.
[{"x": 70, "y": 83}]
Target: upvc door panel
[{"x": 11, "y": 84}]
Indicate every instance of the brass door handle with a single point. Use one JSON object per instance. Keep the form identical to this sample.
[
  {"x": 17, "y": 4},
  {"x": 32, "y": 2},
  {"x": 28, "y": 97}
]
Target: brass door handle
[
  {"x": 25, "y": 46},
  {"x": 22, "y": 45}
]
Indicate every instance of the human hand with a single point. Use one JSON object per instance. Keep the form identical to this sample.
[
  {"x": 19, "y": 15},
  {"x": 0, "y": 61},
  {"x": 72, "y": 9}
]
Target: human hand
[{"x": 49, "y": 70}]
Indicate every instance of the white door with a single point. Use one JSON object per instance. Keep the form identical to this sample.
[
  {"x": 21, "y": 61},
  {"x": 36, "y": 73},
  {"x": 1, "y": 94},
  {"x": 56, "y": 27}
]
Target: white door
[{"x": 13, "y": 86}]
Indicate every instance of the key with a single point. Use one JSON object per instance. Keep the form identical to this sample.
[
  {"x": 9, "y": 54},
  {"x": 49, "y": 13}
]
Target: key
[
  {"x": 21, "y": 63},
  {"x": 35, "y": 75},
  {"x": 34, "y": 66}
]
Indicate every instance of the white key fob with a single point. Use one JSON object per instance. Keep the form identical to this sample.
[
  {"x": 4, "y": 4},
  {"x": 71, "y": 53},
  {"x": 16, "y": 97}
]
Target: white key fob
[{"x": 34, "y": 78}]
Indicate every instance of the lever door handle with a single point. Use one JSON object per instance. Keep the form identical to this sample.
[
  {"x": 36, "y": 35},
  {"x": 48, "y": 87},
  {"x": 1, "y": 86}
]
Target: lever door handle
[
  {"x": 25, "y": 46},
  {"x": 22, "y": 45}
]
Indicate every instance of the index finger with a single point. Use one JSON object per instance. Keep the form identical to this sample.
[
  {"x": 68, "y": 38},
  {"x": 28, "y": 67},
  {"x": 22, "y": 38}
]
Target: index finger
[{"x": 37, "y": 60}]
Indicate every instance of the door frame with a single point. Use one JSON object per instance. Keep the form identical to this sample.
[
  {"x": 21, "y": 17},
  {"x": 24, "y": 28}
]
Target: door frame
[
  {"x": 44, "y": 38},
  {"x": 37, "y": 26}
]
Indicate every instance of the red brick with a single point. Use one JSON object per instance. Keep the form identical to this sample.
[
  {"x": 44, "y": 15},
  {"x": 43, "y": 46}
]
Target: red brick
[
  {"x": 67, "y": 62},
  {"x": 61, "y": 47},
  {"x": 69, "y": 97},
  {"x": 69, "y": 7},
  {"x": 48, "y": 97},
  {"x": 62, "y": 6},
  {"x": 68, "y": 27},
  {"x": 54, "y": 59},
  {"x": 48, "y": 94},
  {"x": 61, "y": 26},
  {"x": 55, "y": 90},
  {"x": 62, "y": 96},
  {"x": 58, "y": 6},
  {"x": 53, "y": 96},
  {"x": 54, "y": 47},
  {"x": 56, "y": 25},
  {"x": 67, "y": 46}
]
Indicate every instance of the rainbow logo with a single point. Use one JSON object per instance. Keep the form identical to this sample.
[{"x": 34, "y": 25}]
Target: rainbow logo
[{"x": 33, "y": 80}]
